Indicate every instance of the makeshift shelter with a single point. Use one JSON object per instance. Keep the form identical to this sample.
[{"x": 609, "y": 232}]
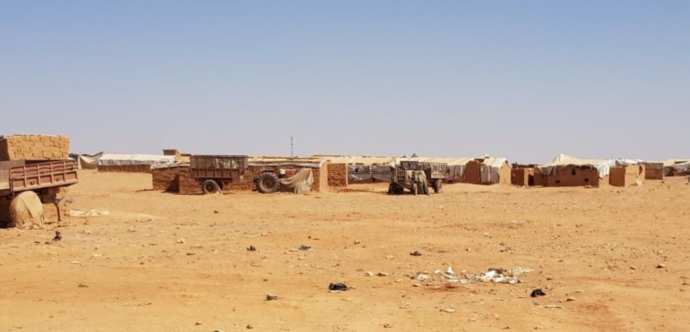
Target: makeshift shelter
[
  {"x": 86, "y": 161},
  {"x": 654, "y": 170},
  {"x": 357, "y": 169},
  {"x": 488, "y": 171},
  {"x": 627, "y": 175},
  {"x": 568, "y": 171},
  {"x": 677, "y": 167},
  {"x": 135, "y": 163}
]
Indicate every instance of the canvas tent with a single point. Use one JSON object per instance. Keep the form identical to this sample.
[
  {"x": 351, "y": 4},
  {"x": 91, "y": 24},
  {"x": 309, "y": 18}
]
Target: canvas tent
[{"x": 565, "y": 170}]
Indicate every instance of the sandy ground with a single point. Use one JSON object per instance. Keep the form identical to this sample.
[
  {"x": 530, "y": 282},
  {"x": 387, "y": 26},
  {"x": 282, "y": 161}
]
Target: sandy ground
[{"x": 164, "y": 262}]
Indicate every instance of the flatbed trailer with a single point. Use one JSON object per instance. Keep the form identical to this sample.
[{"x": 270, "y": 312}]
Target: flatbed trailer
[{"x": 42, "y": 177}]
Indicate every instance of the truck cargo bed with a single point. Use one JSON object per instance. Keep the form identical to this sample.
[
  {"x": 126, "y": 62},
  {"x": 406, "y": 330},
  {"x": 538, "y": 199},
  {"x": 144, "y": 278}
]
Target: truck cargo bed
[{"x": 16, "y": 178}]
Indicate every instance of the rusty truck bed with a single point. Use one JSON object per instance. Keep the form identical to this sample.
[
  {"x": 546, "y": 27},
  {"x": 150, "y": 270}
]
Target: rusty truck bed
[{"x": 17, "y": 177}]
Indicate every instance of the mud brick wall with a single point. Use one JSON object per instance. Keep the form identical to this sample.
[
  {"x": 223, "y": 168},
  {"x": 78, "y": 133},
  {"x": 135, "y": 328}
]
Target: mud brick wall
[
  {"x": 473, "y": 173},
  {"x": 166, "y": 179},
  {"x": 337, "y": 175},
  {"x": 247, "y": 184},
  {"x": 520, "y": 176},
  {"x": 188, "y": 185},
  {"x": 626, "y": 176},
  {"x": 125, "y": 169},
  {"x": 504, "y": 175},
  {"x": 34, "y": 147},
  {"x": 574, "y": 177},
  {"x": 654, "y": 171},
  {"x": 320, "y": 179}
]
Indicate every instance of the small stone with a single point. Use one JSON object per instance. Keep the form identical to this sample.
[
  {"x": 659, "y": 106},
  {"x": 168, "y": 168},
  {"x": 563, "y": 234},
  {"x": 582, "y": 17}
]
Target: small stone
[
  {"x": 449, "y": 310},
  {"x": 570, "y": 299},
  {"x": 181, "y": 241},
  {"x": 271, "y": 297},
  {"x": 634, "y": 268},
  {"x": 369, "y": 274},
  {"x": 215, "y": 211},
  {"x": 358, "y": 241},
  {"x": 387, "y": 326},
  {"x": 197, "y": 323},
  {"x": 250, "y": 327},
  {"x": 661, "y": 266},
  {"x": 382, "y": 274}
]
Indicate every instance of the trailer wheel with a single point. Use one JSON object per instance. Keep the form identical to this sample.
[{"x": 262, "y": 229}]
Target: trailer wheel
[
  {"x": 438, "y": 185},
  {"x": 414, "y": 189},
  {"x": 210, "y": 187},
  {"x": 267, "y": 182}
]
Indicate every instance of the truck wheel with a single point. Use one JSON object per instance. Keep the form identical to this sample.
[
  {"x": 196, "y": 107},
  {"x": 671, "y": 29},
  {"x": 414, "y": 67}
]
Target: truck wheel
[
  {"x": 438, "y": 185},
  {"x": 210, "y": 187},
  {"x": 267, "y": 182},
  {"x": 414, "y": 189}
]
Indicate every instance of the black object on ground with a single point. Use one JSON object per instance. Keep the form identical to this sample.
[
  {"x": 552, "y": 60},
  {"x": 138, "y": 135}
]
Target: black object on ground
[
  {"x": 537, "y": 292},
  {"x": 271, "y": 297},
  {"x": 337, "y": 287},
  {"x": 416, "y": 253},
  {"x": 251, "y": 248},
  {"x": 58, "y": 236},
  {"x": 304, "y": 248}
]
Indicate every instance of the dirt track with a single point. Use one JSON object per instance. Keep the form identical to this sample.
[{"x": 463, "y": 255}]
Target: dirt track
[{"x": 164, "y": 262}]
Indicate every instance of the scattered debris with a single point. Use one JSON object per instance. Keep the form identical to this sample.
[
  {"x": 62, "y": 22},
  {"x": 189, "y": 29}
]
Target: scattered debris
[
  {"x": 537, "y": 292},
  {"x": 58, "y": 236},
  {"x": 553, "y": 306},
  {"x": 405, "y": 305},
  {"x": 83, "y": 286},
  {"x": 251, "y": 248},
  {"x": 492, "y": 275},
  {"x": 304, "y": 248},
  {"x": 89, "y": 213},
  {"x": 387, "y": 326},
  {"x": 215, "y": 211},
  {"x": 337, "y": 287},
  {"x": 271, "y": 297},
  {"x": 449, "y": 310},
  {"x": 382, "y": 274},
  {"x": 358, "y": 241},
  {"x": 181, "y": 241},
  {"x": 369, "y": 274},
  {"x": 634, "y": 268},
  {"x": 415, "y": 253},
  {"x": 249, "y": 327},
  {"x": 570, "y": 299},
  {"x": 661, "y": 266}
]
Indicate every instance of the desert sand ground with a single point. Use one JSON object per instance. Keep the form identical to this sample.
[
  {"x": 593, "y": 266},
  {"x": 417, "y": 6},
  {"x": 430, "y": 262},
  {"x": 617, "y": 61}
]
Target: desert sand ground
[{"x": 165, "y": 262}]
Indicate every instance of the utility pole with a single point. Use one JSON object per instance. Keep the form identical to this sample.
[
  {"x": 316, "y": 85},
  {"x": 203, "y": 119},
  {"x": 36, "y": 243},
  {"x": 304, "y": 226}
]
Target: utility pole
[{"x": 292, "y": 146}]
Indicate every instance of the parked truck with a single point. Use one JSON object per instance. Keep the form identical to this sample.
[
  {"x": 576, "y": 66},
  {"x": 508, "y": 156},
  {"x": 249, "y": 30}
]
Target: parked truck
[
  {"x": 215, "y": 172},
  {"x": 416, "y": 176},
  {"x": 44, "y": 178}
]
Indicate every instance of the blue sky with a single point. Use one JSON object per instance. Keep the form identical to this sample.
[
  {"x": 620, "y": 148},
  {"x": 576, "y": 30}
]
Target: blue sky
[{"x": 524, "y": 80}]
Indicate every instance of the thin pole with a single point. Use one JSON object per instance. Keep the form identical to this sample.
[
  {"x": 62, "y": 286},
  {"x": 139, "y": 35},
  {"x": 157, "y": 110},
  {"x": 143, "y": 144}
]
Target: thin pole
[{"x": 292, "y": 146}]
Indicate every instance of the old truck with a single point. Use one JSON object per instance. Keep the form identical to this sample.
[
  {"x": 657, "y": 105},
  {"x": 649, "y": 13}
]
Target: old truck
[
  {"x": 44, "y": 178},
  {"x": 214, "y": 172},
  {"x": 416, "y": 175}
]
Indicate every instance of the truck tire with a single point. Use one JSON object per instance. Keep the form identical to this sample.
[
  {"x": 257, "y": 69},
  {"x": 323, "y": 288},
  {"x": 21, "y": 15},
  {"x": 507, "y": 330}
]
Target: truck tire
[
  {"x": 414, "y": 189},
  {"x": 210, "y": 187},
  {"x": 438, "y": 186},
  {"x": 267, "y": 182}
]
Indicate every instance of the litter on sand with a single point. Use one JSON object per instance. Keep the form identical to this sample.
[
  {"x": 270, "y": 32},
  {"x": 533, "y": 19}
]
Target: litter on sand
[
  {"x": 89, "y": 213},
  {"x": 500, "y": 276}
]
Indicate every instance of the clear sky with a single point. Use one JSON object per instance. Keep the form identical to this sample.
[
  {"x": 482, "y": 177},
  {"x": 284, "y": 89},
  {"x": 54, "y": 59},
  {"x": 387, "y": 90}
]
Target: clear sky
[{"x": 524, "y": 80}]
